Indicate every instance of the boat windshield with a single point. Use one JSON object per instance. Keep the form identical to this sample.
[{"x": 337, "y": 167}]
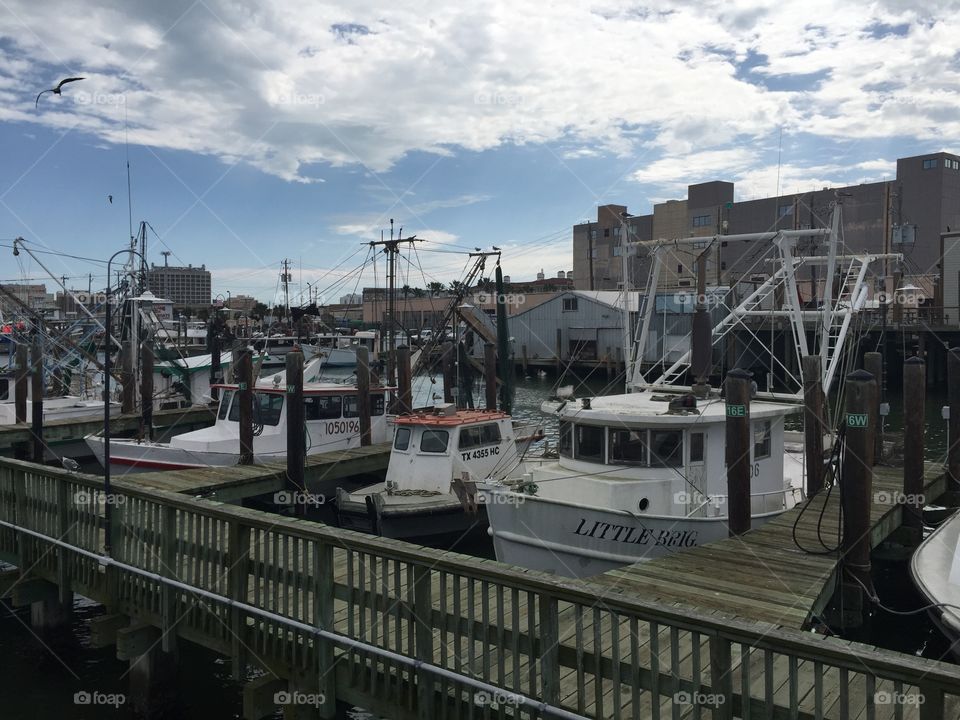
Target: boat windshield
[
  {"x": 225, "y": 404},
  {"x": 267, "y": 409},
  {"x": 434, "y": 441}
]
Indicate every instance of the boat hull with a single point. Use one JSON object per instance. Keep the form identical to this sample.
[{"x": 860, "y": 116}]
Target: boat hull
[{"x": 580, "y": 541}]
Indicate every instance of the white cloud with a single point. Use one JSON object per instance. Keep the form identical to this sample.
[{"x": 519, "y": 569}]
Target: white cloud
[{"x": 290, "y": 87}]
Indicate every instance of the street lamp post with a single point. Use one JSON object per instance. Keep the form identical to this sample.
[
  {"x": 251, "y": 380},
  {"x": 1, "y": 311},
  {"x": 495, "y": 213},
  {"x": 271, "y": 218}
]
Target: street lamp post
[{"x": 108, "y": 506}]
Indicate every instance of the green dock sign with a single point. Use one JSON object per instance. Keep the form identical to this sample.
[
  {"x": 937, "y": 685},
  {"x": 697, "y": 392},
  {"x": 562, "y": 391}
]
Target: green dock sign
[
  {"x": 857, "y": 420},
  {"x": 736, "y": 410}
]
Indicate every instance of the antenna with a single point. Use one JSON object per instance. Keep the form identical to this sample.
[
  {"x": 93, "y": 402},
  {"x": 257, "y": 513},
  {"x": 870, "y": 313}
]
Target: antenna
[
  {"x": 126, "y": 145},
  {"x": 166, "y": 255}
]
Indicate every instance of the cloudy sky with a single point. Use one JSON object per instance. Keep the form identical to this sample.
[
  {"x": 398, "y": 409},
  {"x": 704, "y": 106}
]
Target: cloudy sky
[{"x": 259, "y": 130}]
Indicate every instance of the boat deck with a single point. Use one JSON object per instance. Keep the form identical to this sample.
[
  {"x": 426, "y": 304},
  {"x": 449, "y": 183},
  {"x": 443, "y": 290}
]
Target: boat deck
[{"x": 765, "y": 575}]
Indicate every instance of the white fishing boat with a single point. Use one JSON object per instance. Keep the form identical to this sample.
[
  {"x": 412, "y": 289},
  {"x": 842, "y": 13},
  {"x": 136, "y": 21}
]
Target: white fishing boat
[
  {"x": 432, "y": 450},
  {"x": 935, "y": 568},
  {"x": 643, "y": 474},
  {"x": 341, "y": 350},
  {"x": 332, "y": 423}
]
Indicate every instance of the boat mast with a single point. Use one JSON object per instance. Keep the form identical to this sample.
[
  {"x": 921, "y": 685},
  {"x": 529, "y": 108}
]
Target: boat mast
[{"x": 625, "y": 309}]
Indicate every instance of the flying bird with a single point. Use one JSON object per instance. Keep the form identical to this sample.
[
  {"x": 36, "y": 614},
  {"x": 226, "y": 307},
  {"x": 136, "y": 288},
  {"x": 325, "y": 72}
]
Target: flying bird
[
  {"x": 56, "y": 90},
  {"x": 110, "y": 198}
]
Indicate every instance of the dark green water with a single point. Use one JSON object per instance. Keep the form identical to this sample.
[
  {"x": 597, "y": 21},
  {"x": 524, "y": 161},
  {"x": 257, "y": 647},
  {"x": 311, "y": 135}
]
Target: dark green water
[{"x": 39, "y": 677}]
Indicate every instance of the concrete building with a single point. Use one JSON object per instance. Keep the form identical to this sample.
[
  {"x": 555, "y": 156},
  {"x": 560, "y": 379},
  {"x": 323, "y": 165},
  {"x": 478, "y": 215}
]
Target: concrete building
[
  {"x": 34, "y": 296},
  {"x": 920, "y": 204},
  {"x": 184, "y": 286},
  {"x": 241, "y": 303}
]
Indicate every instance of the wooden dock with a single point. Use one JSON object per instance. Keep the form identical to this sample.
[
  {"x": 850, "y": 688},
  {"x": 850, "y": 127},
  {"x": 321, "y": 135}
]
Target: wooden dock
[
  {"x": 340, "y": 614},
  {"x": 234, "y": 483},
  {"x": 764, "y": 575},
  {"x": 72, "y": 429}
]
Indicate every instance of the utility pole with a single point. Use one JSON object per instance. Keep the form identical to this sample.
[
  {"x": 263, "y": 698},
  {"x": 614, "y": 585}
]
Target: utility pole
[
  {"x": 391, "y": 248},
  {"x": 285, "y": 278}
]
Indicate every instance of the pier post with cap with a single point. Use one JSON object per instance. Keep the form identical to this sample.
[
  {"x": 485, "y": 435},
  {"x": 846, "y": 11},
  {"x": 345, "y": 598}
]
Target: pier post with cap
[
  {"x": 363, "y": 394},
  {"x": 296, "y": 420},
  {"x": 738, "y": 387},
  {"x": 244, "y": 378},
  {"x": 914, "y": 401},
  {"x": 813, "y": 423}
]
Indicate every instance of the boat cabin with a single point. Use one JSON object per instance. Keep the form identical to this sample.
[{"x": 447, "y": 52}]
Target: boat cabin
[
  {"x": 432, "y": 448},
  {"x": 655, "y": 454}
]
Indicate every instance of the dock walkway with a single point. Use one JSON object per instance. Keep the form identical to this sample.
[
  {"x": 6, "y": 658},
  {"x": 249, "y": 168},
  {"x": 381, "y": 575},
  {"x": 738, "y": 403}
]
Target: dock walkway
[
  {"x": 764, "y": 575},
  {"x": 414, "y": 633}
]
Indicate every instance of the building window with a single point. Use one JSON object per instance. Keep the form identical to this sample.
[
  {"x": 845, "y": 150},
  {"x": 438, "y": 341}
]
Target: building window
[
  {"x": 929, "y": 164},
  {"x": 679, "y": 268},
  {"x": 606, "y": 232},
  {"x": 785, "y": 210},
  {"x": 570, "y": 304},
  {"x": 955, "y": 164},
  {"x": 702, "y": 221},
  {"x": 593, "y": 234}
]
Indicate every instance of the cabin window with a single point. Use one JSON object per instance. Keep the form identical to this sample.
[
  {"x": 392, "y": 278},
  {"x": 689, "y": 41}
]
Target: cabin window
[
  {"x": 322, "y": 407},
  {"x": 4, "y": 389},
  {"x": 761, "y": 440},
  {"x": 628, "y": 447},
  {"x": 402, "y": 439},
  {"x": 350, "y": 406},
  {"x": 589, "y": 443},
  {"x": 479, "y": 435},
  {"x": 267, "y": 408},
  {"x": 666, "y": 448},
  {"x": 696, "y": 447},
  {"x": 565, "y": 446},
  {"x": 225, "y": 404},
  {"x": 434, "y": 441}
]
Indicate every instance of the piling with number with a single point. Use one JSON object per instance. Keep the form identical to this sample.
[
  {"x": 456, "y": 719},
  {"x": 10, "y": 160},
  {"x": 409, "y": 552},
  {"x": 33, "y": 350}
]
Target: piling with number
[
  {"x": 490, "y": 374},
  {"x": 296, "y": 420},
  {"x": 857, "y": 475},
  {"x": 813, "y": 423},
  {"x": 36, "y": 399},
  {"x": 363, "y": 394},
  {"x": 739, "y": 387},
  {"x": 244, "y": 376},
  {"x": 404, "y": 381},
  {"x": 914, "y": 399}
]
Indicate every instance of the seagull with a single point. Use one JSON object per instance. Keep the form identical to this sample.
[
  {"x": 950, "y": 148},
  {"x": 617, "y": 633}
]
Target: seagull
[
  {"x": 496, "y": 248},
  {"x": 477, "y": 249},
  {"x": 69, "y": 464},
  {"x": 110, "y": 198},
  {"x": 56, "y": 90}
]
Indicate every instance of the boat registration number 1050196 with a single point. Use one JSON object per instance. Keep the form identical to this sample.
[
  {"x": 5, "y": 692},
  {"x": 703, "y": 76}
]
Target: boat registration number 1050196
[
  {"x": 481, "y": 453},
  {"x": 342, "y": 426}
]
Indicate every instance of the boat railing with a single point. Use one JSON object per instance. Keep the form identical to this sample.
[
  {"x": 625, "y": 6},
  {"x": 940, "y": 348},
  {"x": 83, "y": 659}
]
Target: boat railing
[{"x": 782, "y": 499}]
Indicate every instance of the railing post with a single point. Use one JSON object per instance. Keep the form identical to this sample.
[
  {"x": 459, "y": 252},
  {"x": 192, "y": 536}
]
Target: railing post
[
  {"x": 238, "y": 574},
  {"x": 550, "y": 650},
  {"x": 423, "y": 633},
  {"x": 169, "y": 568},
  {"x": 323, "y": 608},
  {"x": 24, "y": 544},
  {"x": 721, "y": 678},
  {"x": 739, "y": 388},
  {"x": 914, "y": 401},
  {"x": 296, "y": 442},
  {"x": 813, "y": 423}
]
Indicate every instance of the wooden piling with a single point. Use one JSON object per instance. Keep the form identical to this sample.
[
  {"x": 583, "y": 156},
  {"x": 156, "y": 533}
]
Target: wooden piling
[
  {"x": 914, "y": 399},
  {"x": 244, "y": 376},
  {"x": 36, "y": 398},
  {"x": 857, "y": 475},
  {"x": 363, "y": 394},
  {"x": 146, "y": 389},
  {"x": 20, "y": 388},
  {"x": 738, "y": 391},
  {"x": 953, "y": 432},
  {"x": 296, "y": 419},
  {"x": 449, "y": 371},
  {"x": 490, "y": 373},
  {"x": 128, "y": 395},
  {"x": 873, "y": 364},
  {"x": 404, "y": 381},
  {"x": 813, "y": 423}
]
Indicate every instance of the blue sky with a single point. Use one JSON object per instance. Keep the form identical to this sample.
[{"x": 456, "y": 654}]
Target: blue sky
[{"x": 259, "y": 131}]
